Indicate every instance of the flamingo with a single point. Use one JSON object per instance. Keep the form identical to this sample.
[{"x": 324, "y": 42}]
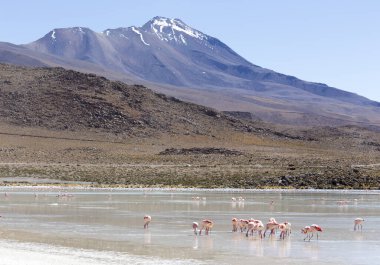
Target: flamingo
[
  {"x": 307, "y": 231},
  {"x": 310, "y": 230},
  {"x": 288, "y": 228},
  {"x": 271, "y": 225},
  {"x": 283, "y": 230},
  {"x": 235, "y": 224},
  {"x": 255, "y": 226},
  {"x": 260, "y": 228},
  {"x": 358, "y": 223},
  {"x": 251, "y": 227},
  {"x": 147, "y": 220},
  {"x": 207, "y": 224},
  {"x": 195, "y": 226},
  {"x": 243, "y": 224}
]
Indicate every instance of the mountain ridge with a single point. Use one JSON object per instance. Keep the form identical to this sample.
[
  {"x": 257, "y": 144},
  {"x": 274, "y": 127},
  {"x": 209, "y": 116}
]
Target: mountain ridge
[{"x": 173, "y": 55}]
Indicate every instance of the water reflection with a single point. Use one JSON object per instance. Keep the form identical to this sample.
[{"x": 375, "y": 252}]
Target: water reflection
[
  {"x": 207, "y": 242},
  {"x": 284, "y": 248},
  {"x": 147, "y": 237},
  {"x": 358, "y": 236},
  {"x": 196, "y": 203},
  {"x": 195, "y": 242},
  {"x": 255, "y": 247},
  {"x": 312, "y": 250},
  {"x": 237, "y": 204}
]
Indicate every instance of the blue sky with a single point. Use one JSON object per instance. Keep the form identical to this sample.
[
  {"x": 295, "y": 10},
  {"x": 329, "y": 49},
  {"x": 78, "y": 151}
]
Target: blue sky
[{"x": 336, "y": 42}]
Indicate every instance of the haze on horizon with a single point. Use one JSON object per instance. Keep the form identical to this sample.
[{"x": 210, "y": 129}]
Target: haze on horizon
[{"x": 332, "y": 42}]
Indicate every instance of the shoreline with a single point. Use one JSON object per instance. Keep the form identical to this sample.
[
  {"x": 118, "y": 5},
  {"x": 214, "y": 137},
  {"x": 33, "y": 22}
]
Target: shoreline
[{"x": 176, "y": 189}]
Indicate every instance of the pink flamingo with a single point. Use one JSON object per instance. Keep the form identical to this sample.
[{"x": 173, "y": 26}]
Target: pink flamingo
[
  {"x": 207, "y": 224},
  {"x": 271, "y": 225},
  {"x": 260, "y": 228},
  {"x": 283, "y": 227},
  {"x": 147, "y": 220},
  {"x": 255, "y": 226},
  {"x": 358, "y": 223},
  {"x": 310, "y": 230},
  {"x": 251, "y": 227},
  {"x": 195, "y": 227},
  {"x": 243, "y": 224},
  {"x": 235, "y": 224}
]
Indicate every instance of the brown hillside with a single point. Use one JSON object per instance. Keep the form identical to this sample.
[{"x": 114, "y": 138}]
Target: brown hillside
[{"x": 59, "y": 99}]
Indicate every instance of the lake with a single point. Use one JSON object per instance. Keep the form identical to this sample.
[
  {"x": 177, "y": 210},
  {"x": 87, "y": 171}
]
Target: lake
[{"x": 51, "y": 225}]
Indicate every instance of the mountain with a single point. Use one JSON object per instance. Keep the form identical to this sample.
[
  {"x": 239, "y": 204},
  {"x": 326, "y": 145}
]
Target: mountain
[{"x": 171, "y": 57}]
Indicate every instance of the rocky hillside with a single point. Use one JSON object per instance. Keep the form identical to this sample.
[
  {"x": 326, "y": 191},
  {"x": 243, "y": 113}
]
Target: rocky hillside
[{"x": 60, "y": 99}]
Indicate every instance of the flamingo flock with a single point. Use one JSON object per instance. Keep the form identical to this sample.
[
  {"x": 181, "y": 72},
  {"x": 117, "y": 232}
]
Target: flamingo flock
[{"x": 251, "y": 226}]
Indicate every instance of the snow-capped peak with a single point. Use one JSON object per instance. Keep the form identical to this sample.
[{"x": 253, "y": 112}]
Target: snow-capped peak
[{"x": 173, "y": 29}]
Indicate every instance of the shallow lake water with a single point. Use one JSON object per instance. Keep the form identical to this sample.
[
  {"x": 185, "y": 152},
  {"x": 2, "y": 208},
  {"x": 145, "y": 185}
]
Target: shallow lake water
[{"x": 82, "y": 226}]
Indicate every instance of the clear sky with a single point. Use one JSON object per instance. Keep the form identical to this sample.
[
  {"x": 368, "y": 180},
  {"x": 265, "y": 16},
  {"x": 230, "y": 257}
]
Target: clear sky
[{"x": 336, "y": 42}]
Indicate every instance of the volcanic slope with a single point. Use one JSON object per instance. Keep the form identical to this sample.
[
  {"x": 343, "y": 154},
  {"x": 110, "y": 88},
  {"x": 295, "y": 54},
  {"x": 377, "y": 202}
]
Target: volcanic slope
[{"x": 59, "y": 99}]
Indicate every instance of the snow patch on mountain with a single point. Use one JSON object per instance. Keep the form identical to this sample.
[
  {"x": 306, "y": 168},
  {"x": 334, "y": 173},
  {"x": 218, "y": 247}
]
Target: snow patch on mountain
[
  {"x": 174, "y": 30},
  {"x": 141, "y": 36},
  {"x": 53, "y": 35}
]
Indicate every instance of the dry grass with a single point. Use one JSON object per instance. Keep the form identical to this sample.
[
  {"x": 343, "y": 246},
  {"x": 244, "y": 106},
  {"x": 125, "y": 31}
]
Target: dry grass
[{"x": 136, "y": 162}]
